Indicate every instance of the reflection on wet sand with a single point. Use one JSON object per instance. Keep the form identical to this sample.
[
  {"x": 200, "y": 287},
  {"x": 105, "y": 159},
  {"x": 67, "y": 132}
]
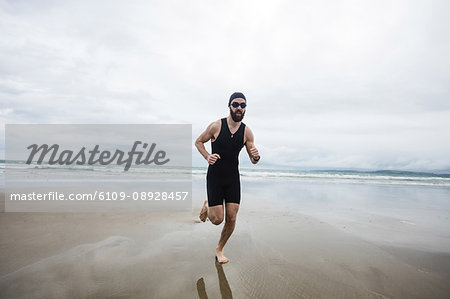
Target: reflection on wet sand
[{"x": 225, "y": 289}]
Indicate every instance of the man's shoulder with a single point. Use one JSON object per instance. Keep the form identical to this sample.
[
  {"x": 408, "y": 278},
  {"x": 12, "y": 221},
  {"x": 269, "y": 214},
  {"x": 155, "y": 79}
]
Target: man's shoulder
[
  {"x": 217, "y": 122},
  {"x": 248, "y": 134},
  {"x": 215, "y": 125}
]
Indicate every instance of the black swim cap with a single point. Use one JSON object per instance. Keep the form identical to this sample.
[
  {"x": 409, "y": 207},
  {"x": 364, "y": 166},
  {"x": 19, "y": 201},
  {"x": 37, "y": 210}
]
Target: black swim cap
[{"x": 235, "y": 96}]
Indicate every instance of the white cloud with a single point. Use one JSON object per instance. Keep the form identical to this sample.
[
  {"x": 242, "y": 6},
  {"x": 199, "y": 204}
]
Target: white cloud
[{"x": 329, "y": 84}]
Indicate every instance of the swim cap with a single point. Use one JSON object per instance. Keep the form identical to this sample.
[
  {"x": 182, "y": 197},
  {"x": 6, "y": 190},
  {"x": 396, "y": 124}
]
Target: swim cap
[{"x": 235, "y": 96}]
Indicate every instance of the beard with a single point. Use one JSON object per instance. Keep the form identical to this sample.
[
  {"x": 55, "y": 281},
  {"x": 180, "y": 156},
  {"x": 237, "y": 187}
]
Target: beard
[{"x": 237, "y": 118}]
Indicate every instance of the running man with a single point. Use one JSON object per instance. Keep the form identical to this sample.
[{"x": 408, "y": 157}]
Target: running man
[{"x": 228, "y": 136}]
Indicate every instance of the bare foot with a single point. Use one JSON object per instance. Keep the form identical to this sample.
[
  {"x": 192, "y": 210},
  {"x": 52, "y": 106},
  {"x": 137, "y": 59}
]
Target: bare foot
[
  {"x": 204, "y": 212},
  {"x": 220, "y": 257}
]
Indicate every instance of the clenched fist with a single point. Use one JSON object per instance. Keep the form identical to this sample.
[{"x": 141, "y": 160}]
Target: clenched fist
[
  {"x": 255, "y": 154},
  {"x": 212, "y": 158}
]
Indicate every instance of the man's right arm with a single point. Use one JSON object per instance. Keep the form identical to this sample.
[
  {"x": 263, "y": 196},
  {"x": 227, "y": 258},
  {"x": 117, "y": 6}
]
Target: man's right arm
[{"x": 206, "y": 136}]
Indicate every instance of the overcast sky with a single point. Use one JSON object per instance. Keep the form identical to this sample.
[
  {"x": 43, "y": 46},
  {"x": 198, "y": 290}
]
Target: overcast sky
[{"x": 330, "y": 84}]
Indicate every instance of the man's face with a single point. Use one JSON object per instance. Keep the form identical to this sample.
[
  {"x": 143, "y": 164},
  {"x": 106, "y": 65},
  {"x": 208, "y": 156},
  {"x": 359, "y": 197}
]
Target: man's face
[{"x": 237, "y": 113}]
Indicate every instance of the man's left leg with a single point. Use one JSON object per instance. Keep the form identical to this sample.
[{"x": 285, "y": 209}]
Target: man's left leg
[{"x": 231, "y": 210}]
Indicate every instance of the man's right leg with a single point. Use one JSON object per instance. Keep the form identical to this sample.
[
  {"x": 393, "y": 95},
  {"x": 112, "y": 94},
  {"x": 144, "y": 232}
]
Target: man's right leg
[
  {"x": 215, "y": 214},
  {"x": 214, "y": 204},
  {"x": 204, "y": 212}
]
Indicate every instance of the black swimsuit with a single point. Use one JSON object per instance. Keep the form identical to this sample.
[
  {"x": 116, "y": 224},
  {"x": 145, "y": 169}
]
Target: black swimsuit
[{"x": 222, "y": 180}]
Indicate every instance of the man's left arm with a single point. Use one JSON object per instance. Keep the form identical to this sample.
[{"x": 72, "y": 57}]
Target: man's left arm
[{"x": 250, "y": 146}]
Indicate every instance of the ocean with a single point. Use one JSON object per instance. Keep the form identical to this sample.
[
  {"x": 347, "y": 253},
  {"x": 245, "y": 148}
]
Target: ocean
[{"x": 385, "y": 177}]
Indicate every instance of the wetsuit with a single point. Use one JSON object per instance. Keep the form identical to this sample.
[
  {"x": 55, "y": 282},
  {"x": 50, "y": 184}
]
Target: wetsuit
[{"x": 222, "y": 180}]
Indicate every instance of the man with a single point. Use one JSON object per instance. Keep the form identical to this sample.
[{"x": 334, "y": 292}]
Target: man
[{"x": 228, "y": 136}]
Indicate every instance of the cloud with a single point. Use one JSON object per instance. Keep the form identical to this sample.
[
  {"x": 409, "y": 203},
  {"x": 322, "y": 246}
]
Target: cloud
[{"x": 329, "y": 84}]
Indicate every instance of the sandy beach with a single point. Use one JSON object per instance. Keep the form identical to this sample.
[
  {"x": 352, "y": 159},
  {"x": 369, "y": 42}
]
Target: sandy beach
[{"x": 275, "y": 252}]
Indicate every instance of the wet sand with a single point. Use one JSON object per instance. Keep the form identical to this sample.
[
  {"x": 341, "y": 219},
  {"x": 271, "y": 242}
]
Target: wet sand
[{"x": 274, "y": 253}]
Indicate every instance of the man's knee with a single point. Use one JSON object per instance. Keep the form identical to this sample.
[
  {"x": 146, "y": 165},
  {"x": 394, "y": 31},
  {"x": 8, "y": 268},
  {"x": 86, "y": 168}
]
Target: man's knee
[
  {"x": 216, "y": 220},
  {"x": 231, "y": 219}
]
